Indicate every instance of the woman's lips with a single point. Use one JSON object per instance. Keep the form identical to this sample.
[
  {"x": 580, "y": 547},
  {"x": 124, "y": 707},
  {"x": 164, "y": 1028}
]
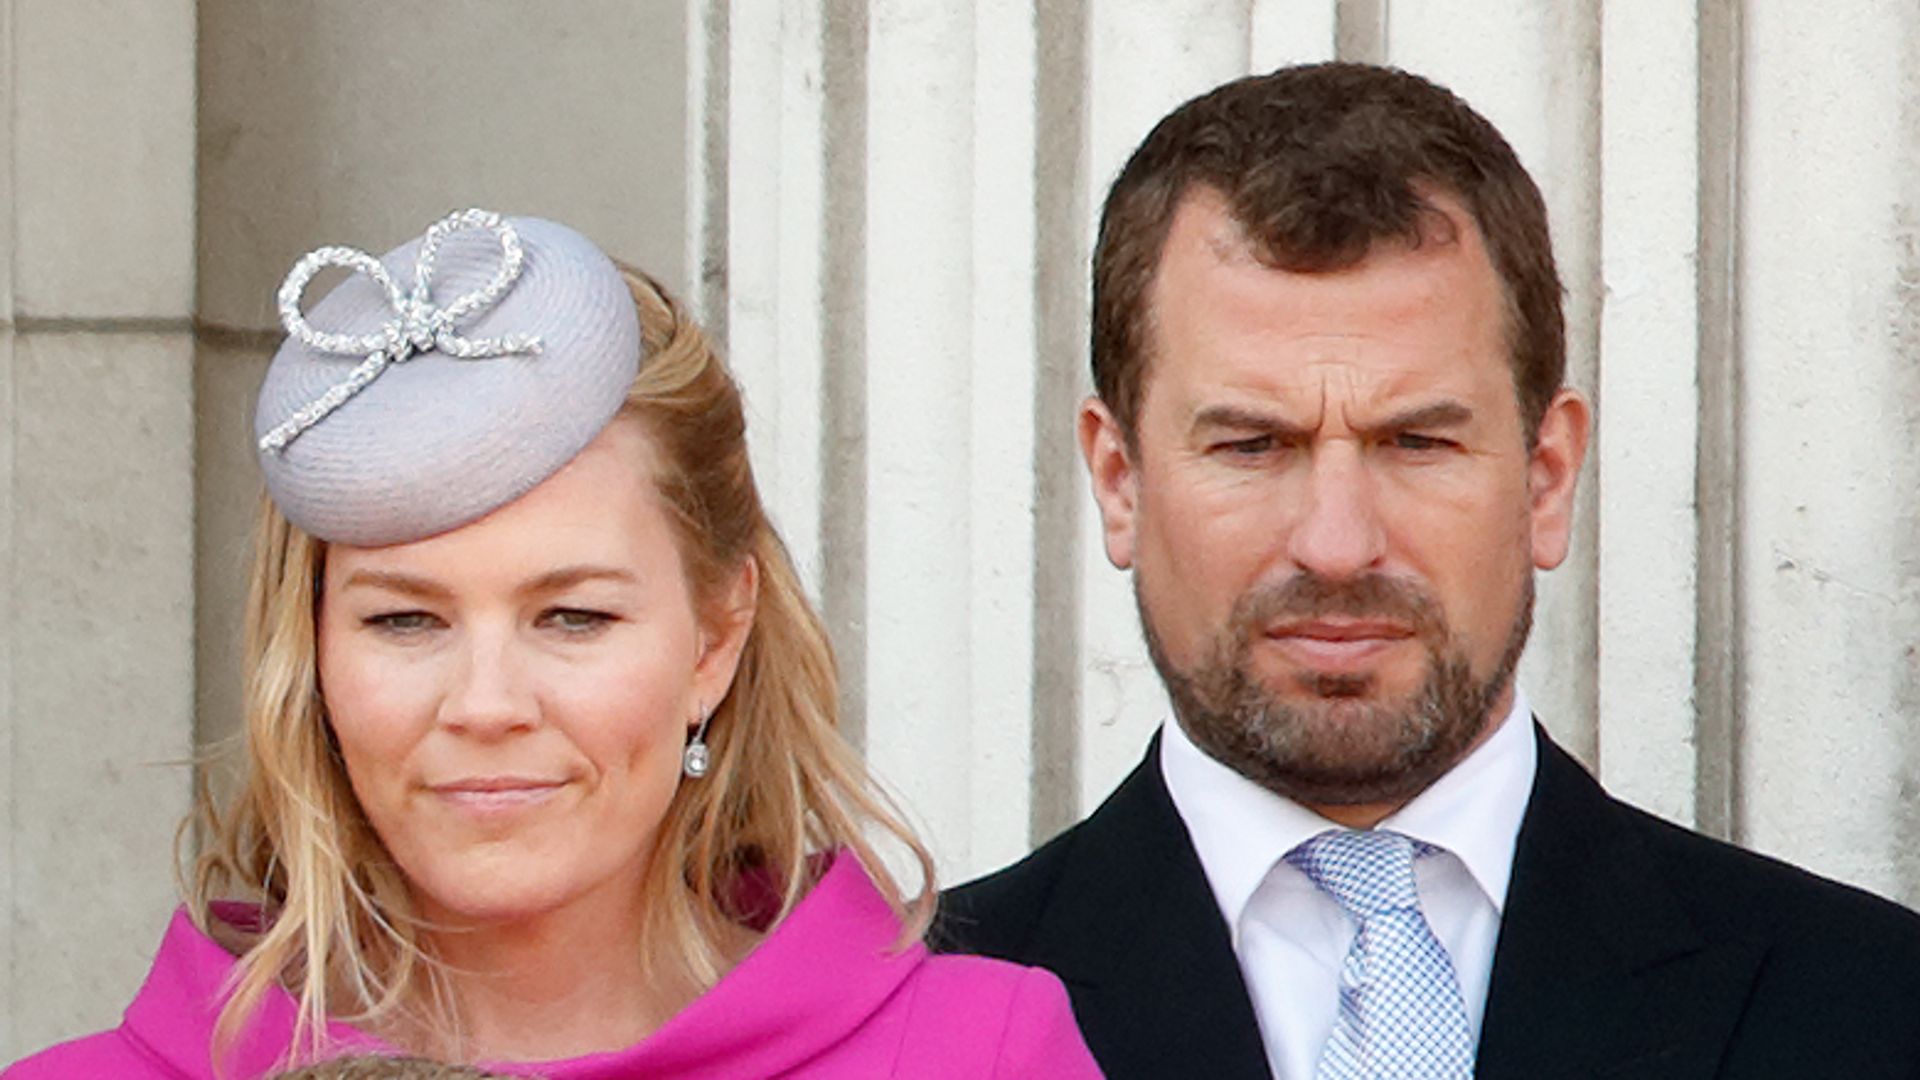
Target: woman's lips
[
  {"x": 494, "y": 795},
  {"x": 1339, "y": 646}
]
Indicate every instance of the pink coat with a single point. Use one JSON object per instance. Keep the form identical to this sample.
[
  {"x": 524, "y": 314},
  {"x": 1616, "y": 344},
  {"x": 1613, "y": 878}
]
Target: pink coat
[{"x": 823, "y": 996}]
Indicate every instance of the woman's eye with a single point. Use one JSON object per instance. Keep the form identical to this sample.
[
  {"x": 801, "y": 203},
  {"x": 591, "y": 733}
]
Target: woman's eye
[
  {"x": 403, "y": 622},
  {"x": 575, "y": 620}
]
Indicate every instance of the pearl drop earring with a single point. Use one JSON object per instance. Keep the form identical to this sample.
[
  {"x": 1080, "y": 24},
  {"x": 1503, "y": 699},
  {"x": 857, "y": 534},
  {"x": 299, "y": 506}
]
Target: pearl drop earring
[{"x": 697, "y": 758}]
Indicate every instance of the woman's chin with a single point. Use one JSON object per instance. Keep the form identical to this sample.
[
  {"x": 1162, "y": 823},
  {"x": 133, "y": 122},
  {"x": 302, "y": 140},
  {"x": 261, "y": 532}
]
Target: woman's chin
[{"x": 487, "y": 900}]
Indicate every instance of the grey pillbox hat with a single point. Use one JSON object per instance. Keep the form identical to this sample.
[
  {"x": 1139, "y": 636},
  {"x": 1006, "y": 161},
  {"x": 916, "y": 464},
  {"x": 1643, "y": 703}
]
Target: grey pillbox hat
[{"x": 435, "y": 441}]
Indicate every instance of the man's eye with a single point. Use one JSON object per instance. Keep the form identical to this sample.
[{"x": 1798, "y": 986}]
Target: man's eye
[
  {"x": 1258, "y": 444},
  {"x": 575, "y": 620},
  {"x": 1408, "y": 440},
  {"x": 403, "y": 622}
]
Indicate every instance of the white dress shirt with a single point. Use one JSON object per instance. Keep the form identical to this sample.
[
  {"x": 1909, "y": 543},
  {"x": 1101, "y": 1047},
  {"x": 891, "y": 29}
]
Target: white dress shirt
[{"x": 1291, "y": 938}]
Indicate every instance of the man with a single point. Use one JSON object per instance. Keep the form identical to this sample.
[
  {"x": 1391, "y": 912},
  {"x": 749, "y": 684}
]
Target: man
[{"x": 1332, "y": 443}]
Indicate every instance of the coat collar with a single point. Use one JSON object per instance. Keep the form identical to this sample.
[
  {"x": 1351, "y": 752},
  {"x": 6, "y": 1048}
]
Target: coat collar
[
  {"x": 1600, "y": 970},
  {"x": 759, "y": 1020}
]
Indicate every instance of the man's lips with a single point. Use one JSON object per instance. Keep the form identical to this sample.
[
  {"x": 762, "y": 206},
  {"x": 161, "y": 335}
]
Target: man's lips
[{"x": 1338, "y": 645}]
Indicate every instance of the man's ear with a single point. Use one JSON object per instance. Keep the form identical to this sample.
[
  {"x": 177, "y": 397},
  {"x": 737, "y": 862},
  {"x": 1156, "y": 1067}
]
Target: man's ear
[
  {"x": 1116, "y": 483},
  {"x": 1554, "y": 471},
  {"x": 724, "y": 633}
]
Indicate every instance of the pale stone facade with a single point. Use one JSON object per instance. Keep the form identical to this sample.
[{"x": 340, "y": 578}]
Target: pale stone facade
[{"x": 885, "y": 206}]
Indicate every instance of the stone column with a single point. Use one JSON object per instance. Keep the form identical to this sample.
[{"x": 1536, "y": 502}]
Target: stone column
[
  {"x": 96, "y": 501},
  {"x": 1828, "y": 478}
]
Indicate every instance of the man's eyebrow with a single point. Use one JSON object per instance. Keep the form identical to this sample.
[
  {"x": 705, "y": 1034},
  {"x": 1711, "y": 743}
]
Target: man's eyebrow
[
  {"x": 1439, "y": 414},
  {"x": 1240, "y": 418}
]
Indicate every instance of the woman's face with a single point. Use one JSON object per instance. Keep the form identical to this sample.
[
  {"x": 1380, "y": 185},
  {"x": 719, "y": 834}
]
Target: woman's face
[{"x": 512, "y": 698}]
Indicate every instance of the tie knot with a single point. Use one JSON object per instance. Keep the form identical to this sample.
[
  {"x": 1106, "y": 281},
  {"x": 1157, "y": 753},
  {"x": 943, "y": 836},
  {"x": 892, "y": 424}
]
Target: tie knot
[{"x": 1368, "y": 873}]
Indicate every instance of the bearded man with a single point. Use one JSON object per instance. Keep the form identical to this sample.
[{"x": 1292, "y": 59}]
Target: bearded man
[{"x": 1332, "y": 442}]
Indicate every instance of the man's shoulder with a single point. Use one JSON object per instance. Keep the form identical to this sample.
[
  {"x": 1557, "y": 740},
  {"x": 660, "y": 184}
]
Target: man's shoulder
[
  {"x": 1136, "y": 832},
  {"x": 1735, "y": 891},
  {"x": 1727, "y": 891},
  {"x": 1823, "y": 957},
  {"x": 996, "y": 915}
]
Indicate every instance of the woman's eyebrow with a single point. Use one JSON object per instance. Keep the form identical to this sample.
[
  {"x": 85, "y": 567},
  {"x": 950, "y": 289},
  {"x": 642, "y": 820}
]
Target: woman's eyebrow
[
  {"x": 395, "y": 581},
  {"x": 569, "y": 576}
]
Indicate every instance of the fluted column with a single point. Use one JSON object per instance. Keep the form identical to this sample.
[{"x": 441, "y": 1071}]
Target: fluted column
[{"x": 1829, "y": 439}]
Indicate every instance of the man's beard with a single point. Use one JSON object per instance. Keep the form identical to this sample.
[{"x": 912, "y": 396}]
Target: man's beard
[{"x": 1337, "y": 748}]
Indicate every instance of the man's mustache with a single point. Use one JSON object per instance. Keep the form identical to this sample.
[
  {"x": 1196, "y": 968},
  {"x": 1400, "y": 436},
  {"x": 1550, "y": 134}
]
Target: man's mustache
[{"x": 1308, "y": 595}]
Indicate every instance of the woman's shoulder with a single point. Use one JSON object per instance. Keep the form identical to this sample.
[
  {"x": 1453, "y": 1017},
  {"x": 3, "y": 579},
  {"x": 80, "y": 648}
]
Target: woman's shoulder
[
  {"x": 884, "y": 1006},
  {"x": 167, "y": 1029},
  {"x": 1017, "y": 1020},
  {"x": 106, "y": 1053},
  {"x": 121, "y": 1051}
]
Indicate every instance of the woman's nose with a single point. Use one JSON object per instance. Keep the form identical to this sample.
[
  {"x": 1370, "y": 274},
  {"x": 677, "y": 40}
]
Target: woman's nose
[{"x": 488, "y": 693}]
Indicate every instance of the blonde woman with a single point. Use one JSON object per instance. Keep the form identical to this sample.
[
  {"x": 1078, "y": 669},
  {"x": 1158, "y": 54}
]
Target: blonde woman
[{"x": 542, "y": 769}]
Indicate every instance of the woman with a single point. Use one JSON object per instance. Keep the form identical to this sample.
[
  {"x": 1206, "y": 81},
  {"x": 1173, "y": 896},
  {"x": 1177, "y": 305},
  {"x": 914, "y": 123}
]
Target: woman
[{"x": 541, "y": 761}]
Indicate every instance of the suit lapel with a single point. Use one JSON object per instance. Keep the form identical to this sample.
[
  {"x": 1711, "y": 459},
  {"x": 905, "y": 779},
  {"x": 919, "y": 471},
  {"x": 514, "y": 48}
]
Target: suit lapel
[
  {"x": 1135, "y": 933},
  {"x": 1599, "y": 969}
]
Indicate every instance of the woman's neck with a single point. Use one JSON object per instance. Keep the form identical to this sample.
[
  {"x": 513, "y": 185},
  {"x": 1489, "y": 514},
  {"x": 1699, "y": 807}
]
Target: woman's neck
[{"x": 569, "y": 982}]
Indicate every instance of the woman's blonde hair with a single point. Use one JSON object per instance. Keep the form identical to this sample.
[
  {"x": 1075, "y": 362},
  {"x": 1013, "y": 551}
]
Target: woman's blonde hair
[{"x": 338, "y": 928}]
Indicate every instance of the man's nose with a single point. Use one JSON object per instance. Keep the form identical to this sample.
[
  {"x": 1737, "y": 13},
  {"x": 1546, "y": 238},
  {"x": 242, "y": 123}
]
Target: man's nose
[
  {"x": 489, "y": 694},
  {"x": 1338, "y": 532}
]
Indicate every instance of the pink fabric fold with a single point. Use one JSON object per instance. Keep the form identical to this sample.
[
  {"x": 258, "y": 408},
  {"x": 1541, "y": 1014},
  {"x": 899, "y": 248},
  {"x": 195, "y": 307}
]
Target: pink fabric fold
[{"x": 827, "y": 994}]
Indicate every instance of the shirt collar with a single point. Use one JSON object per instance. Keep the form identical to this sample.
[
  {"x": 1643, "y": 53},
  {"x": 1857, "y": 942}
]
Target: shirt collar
[
  {"x": 1240, "y": 829},
  {"x": 1474, "y": 810}
]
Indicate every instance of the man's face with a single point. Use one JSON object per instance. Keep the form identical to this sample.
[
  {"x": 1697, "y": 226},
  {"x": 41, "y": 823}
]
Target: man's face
[{"x": 1330, "y": 507}]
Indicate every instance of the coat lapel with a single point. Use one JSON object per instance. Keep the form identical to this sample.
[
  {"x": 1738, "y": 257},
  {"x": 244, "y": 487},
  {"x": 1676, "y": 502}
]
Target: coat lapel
[
  {"x": 1135, "y": 933},
  {"x": 1599, "y": 969}
]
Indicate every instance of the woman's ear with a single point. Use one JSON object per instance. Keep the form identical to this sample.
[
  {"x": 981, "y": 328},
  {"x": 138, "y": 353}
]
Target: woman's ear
[{"x": 723, "y": 635}]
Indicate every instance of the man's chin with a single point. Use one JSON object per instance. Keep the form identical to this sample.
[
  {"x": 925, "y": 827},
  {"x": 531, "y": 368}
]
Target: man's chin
[
  {"x": 1333, "y": 750},
  {"x": 1343, "y": 696},
  {"x": 1346, "y": 754}
]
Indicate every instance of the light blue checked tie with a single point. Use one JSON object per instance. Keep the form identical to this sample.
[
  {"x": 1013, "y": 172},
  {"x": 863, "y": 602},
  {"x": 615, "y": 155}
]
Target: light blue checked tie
[{"x": 1400, "y": 1009}]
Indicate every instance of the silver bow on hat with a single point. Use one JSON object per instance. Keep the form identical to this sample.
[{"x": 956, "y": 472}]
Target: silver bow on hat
[{"x": 417, "y": 326}]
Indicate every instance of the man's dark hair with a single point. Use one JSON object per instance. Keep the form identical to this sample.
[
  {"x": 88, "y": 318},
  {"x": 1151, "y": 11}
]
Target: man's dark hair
[{"x": 1318, "y": 164}]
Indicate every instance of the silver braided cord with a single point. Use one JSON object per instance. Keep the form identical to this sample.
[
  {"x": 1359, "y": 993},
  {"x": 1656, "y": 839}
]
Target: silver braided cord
[{"x": 417, "y": 326}]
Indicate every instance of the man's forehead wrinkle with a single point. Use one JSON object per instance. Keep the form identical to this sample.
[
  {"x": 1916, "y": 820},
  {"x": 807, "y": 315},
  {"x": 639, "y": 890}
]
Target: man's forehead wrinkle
[{"x": 1313, "y": 394}]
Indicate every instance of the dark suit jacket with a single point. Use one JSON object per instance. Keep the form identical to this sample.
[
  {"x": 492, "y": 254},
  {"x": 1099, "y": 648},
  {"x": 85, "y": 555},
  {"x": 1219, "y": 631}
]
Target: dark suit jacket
[{"x": 1628, "y": 947}]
